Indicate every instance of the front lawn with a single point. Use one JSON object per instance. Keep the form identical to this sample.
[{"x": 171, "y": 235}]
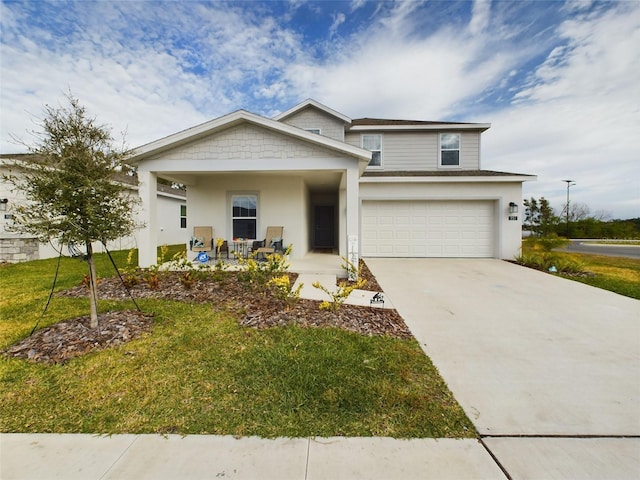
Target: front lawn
[
  {"x": 617, "y": 274},
  {"x": 199, "y": 371}
]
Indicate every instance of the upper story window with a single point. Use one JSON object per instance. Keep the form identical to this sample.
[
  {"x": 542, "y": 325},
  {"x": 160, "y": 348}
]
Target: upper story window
[
  {"x": 244, "y": 215},
  {"x": 313, "y": 130},
  {"x": 374, "y": 144},
  {"x": 449, "y": 149}
]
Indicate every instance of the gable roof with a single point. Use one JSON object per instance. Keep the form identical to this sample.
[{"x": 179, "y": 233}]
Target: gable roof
[
  {"x": 237, "y": 118},
  {"x": 309, "y": 102}
]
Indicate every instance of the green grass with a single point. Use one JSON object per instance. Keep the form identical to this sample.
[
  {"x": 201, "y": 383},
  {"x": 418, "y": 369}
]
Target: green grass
[
  {"x": 617, "y": 274},
  {"x": 199, "y": 372}
]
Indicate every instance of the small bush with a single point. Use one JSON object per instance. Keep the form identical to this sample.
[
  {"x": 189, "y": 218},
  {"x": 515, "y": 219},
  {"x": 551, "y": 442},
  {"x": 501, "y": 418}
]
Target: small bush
[
  {"x": 547, "y": 243},
  {"x": 538, "y": 253},
  {"x": 131, "y": 272},
  {"x": 568, "y": 265},
  {"x": 341, "y": 293},
  {"x": 283, "y": 290},
  {"x": 257, "y": 274},
  {"x": 152, "y": 277}
]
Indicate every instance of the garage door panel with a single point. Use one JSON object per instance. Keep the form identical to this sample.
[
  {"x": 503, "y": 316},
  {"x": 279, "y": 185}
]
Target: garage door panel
[{"x": 427, "y": 228}]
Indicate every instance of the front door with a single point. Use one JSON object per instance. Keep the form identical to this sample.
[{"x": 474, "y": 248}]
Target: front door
[{"x": 323, "y": 235}]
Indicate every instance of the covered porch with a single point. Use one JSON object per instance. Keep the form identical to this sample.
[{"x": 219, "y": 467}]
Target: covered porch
[{"x": 318, "y": 209}]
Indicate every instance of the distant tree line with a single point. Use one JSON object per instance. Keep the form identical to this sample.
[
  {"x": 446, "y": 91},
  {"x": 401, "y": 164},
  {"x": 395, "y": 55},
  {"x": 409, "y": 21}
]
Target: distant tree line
[{"x": 541, "y": 220}]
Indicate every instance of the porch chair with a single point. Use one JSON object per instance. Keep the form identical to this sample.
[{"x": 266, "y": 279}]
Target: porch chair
[
  {"x": 202, "y": 240},
  {"x": 272, "y": 242},
  {"x": 224, "y": 248}
]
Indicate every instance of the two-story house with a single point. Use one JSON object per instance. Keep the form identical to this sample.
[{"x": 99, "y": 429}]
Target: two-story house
[{"x": 367, "y": 187}]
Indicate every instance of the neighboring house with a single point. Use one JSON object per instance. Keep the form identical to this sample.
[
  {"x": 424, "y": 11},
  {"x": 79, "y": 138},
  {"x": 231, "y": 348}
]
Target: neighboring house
[
  {"x": 367, "y": 187},
  {"x": 16, "y": 247}
]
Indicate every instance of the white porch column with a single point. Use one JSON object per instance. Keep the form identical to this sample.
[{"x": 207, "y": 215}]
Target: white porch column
[
  {"x": 148, "y": 239},
  {"x": 353, "y": 214}
]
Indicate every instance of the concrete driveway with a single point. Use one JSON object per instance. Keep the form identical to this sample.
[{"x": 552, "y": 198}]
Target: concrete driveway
[{"x": 529, "y": 356}]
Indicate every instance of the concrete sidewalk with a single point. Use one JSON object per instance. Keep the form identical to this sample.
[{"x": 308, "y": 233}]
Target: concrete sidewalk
[{"x": 88, "y": 457}]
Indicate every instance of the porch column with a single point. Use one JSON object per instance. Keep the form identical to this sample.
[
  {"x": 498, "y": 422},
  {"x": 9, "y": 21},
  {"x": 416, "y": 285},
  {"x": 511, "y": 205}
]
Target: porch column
[
  {"x": 148, "y": 238},
  {"x": 353, "y": 214}
]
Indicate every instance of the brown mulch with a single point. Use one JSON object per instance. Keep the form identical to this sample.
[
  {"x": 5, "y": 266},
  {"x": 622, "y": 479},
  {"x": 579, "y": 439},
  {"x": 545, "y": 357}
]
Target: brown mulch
[{"x": 71, "y": 338}]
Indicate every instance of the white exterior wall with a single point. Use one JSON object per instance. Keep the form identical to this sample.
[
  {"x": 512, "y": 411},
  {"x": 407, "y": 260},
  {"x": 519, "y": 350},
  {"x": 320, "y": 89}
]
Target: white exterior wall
[
  {"x": 281, "y": 202},
  {"x": 416, "y": 151},
  {"x": 168, "y": 230},
  {"x": 508, "y": 232},
  {"x": 313, "y": 118}
]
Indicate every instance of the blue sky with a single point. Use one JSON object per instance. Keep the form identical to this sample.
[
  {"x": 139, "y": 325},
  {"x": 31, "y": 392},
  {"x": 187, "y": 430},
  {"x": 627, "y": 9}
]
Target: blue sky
[{"x": 558, "y": 81}]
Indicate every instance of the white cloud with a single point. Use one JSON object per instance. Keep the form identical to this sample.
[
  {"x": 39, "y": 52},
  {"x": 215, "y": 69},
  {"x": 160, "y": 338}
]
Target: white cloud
[
  {"x": 338, "y": 19},
  {"x": 142, "y": 76},
  {"x": 390, "y": 70},
  {"x": 579, "y": 117},
  {"x": 480, "y": 16}
]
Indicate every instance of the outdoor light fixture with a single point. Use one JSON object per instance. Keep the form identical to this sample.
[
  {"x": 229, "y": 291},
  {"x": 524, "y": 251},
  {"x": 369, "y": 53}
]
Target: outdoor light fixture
[
  {"x": 513, "y": 207},
  {"x": 3, "y": 204}
]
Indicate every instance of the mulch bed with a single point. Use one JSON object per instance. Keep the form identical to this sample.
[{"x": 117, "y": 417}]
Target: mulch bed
[{"x": 71, "y": 338}]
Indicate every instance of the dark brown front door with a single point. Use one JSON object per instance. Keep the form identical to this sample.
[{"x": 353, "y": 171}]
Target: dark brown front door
[{"x": 324, "y": 227}]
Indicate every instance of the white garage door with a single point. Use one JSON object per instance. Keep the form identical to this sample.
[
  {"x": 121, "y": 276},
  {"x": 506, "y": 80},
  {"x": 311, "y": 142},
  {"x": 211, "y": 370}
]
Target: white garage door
[{"x": 427, "y": 229}]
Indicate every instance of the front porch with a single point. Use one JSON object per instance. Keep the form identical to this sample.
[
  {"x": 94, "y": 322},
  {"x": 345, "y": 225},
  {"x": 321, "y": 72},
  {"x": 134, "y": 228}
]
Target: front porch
[{"x": 310, "y": 263}]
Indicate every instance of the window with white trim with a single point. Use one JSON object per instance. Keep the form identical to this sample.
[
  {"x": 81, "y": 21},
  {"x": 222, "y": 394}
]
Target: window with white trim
[
  {"x": 183, "y": 216},
  {"x": 244, "y": 215},
  {"x": 313, "y": 130},
  {"x": 449, "y": 149},
  {"x": 374, "y": 144}
]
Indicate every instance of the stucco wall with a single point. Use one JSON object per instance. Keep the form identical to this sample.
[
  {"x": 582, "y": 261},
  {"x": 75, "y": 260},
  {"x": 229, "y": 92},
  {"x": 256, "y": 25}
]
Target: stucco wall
[{"x": 281, "y": 202}]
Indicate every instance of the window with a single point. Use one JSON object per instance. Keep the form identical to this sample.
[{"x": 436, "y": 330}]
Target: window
[
  {"x": 183, "y": 216},
  {"x": 244, "y": 215},
  {"x": 313, "y": 130},
  {"x": 449, "y": 149},
  {"x": 374, "y": 144}
]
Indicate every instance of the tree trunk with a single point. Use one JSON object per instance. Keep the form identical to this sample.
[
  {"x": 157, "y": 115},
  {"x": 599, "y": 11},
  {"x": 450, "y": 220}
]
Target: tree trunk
[{"x": 93, "y": 287}]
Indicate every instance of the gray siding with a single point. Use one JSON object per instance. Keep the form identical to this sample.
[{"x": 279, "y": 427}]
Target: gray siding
[
  {"x": 419, "y": 151},
  {"x": 312, "y": 118}
]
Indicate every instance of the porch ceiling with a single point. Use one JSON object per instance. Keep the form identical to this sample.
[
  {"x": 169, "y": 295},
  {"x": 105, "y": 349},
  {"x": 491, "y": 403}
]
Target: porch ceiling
[{"x": 316, "y": 180}]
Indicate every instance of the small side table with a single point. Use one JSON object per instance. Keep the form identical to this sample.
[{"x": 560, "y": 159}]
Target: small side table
[{"x": 241, "y": 246}]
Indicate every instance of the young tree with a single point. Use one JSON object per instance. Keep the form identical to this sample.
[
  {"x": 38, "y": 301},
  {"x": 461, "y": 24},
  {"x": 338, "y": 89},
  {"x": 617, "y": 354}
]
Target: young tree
[
  {"x": 531, "y": 214},
  {"x": 539, "y": 216},
  {"x": 548, "y": 220},
  {"x": 72, "y": 189}
]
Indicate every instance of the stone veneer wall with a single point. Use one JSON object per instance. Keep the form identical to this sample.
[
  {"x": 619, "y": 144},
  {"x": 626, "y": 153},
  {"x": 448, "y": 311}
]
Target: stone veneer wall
[{"x": 15, "y": 249}]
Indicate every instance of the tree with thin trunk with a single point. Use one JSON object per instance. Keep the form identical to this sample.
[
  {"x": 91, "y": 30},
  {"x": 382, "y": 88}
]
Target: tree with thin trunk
[{"x": 72, "y": 186}]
